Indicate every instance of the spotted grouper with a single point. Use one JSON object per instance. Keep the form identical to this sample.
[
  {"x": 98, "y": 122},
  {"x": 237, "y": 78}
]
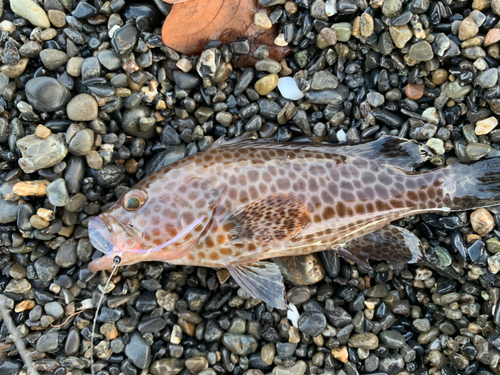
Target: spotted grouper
[{"x": 242, "y": 202}]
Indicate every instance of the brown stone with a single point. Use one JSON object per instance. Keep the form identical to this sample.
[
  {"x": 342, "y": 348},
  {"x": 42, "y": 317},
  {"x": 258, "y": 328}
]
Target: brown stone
[
  {"x": 491, "y": 37},
  {"x": 482, "y": 222},
  {"x": 57, "y": 18},
  {"x": 27, "y": 304},
  {"x": 223, "y": 275},
  {"x": 109, "y": 330},
  {"x": 414, "y": 91},
  {"x": 42, "y": 131},
  {"x": 468, "y": 29},
  {"x": 439, "y": 76},
  {"x": 266, "y": 84},
  {"x": 131, "y": 166},
  {"x": 67, "y": 231},
  {"x": 291, "y": 7},
  {"x": 341, "y": 354},
  {"x": 366, "y": 25},
  {"x": 36, "y": 188}
]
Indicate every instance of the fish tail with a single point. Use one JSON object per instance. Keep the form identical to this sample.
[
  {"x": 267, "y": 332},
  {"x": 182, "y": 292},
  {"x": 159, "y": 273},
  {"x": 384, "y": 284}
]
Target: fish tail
[{"x": 471, "y": 186}]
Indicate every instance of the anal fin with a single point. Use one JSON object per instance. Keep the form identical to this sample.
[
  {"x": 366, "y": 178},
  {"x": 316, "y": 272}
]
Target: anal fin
[
  {"x": 390, "y": 243},
  {"x": 261, "y": 280}
]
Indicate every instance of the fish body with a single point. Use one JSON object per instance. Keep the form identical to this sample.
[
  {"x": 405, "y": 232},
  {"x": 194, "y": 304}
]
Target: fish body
[{"x": 242, "y": 202}]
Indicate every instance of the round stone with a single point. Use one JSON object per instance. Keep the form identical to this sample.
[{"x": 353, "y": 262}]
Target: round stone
[
  {"x": 57, "y": 193},
  {"x": 46, "y": 94},
  {"x": 392, "y": 339},
  {"x": 468, "y": 29},
  {"x": 266, "y": 84},
  {"x": 82, "y": 142},
  {"x": 414, "y": 91},
  {"x": 400, "y": 35},
  {"x": 482, "y": 222},
  {"x": 82, "y": 107},
  {"x": 343, "y": 31},
  {"x": 421, "y": 51},
  {"x": 53, "y": 59},
  {"x": 110, "y": 59},
  {"x": 486, "y": 126},
  {"x": 312, "y": 323},
  {"x": 74, "y": 66}
]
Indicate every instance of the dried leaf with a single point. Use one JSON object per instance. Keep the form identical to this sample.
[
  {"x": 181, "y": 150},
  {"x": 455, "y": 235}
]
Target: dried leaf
[{"x": 192, "y": 24}]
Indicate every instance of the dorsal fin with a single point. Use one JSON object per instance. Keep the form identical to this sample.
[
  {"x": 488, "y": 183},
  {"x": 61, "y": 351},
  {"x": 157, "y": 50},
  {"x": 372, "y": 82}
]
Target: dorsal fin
[
  {"x": 395, "y": 151},
  {"x": 222, "y": 142}
]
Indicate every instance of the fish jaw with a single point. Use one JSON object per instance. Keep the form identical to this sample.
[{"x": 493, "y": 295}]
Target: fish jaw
[
  {"x": 114, "y": 240},
  {"x": 99, "y": 236}
]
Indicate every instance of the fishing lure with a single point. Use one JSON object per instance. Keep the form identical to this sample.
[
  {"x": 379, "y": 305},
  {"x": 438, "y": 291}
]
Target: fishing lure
[{"x": 242, "y": 202}]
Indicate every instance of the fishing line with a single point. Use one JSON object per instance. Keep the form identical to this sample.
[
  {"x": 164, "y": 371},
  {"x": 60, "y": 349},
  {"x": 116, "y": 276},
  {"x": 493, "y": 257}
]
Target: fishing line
[{"x": 116, "y": 261}]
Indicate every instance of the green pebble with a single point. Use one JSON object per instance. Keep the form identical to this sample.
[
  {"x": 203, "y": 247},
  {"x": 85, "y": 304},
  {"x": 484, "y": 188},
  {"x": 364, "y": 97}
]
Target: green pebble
[{"x": 443, "y": 256}]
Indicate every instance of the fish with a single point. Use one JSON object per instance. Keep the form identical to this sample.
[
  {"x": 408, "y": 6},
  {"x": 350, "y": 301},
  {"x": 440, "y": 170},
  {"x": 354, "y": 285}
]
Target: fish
[{"x": 243, "y": 202}]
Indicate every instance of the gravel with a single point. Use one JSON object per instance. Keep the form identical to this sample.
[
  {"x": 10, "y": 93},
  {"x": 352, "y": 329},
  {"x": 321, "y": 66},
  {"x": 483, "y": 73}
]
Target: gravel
[{"x": 91, "y": 101}]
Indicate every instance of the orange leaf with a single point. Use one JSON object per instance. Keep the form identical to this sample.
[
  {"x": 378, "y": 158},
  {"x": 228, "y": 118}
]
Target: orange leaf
[{"x": 192, "y": 24}]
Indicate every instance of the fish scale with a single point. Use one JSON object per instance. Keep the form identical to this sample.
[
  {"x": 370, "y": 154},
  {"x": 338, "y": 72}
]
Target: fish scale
[{"x": 242, "y": 202}]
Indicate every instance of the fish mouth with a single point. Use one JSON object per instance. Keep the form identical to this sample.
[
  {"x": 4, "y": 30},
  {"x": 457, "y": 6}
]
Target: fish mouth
[
  {"x": 99, "y": 236},
  {"x": 112, "y": 237}
]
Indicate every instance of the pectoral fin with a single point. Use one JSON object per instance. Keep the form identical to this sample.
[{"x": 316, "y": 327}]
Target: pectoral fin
[
  {"x": 261, "y": 280},
  {"x": 274, "y": 218},
  {"x": 390, "y": 243}
]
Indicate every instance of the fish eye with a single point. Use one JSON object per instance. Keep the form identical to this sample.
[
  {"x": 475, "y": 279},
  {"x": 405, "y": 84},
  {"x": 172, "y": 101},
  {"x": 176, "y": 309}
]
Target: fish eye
[{"x": 133, "y": 200}]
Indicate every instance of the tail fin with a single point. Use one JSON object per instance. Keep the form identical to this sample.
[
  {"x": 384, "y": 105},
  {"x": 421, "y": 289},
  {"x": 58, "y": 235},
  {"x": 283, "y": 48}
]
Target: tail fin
[{"x": 471, "y": 186}]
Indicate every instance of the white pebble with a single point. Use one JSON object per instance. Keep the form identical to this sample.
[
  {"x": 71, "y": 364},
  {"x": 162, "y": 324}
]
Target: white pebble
[
  {"x": 480, "y": 64},
  {"x": 289, "y": 89},
  {"x": 293, "y": 314},
  {"x": 341, "y": 136},
  {"x": 7, "y": 26},
  {"x": 31, "y": 11},
  {"x": 436, "y": 145}
]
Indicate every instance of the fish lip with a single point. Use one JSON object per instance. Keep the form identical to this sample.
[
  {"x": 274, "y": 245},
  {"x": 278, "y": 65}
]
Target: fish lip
[{"x": 100, "y": 236}]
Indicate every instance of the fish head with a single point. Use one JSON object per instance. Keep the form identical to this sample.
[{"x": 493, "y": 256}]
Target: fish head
[{"x": 155, "y": 220}]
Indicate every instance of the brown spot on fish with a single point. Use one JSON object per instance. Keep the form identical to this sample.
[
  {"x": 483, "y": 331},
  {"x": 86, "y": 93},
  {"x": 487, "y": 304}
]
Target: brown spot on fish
[
  {"x": 340, "y": 209},
  {"x": 422, "y": 195},
  {"x": 226, "y": 251},
  {"x": 221, "y": 239},
  {"x": 360, "y": 209}
]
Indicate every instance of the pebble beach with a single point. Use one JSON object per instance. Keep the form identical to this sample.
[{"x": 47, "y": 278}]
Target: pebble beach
[{"x": 92, "y": 101}]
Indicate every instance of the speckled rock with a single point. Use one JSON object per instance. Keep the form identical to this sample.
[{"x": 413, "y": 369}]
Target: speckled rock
[{"x": 38, "y": 153}]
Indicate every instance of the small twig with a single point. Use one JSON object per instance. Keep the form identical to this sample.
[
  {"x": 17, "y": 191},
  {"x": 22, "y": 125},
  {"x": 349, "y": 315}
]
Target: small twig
[
  {"x": 21, "y": 348},
  {"x": 67, "y": 319}
]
